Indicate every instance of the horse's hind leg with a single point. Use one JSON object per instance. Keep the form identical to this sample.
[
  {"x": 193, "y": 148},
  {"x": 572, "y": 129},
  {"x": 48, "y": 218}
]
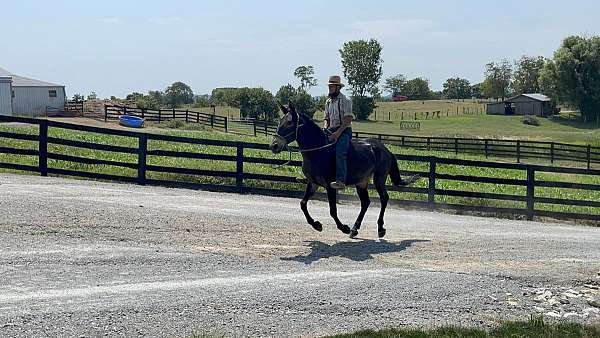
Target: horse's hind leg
[
  {"x": 384, "y": 197},
  {"x": 310, "y": 191},
  {"x": 363, "y": 194}
]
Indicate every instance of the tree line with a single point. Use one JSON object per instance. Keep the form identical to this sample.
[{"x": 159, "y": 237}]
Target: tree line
[{"x": 571, "y": 76}]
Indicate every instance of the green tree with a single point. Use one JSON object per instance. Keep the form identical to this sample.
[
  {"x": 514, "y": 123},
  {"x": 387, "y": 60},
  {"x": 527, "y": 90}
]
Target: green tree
[
  {"x": 572, "y": 76},
  {"x": 224, "y": 96},
  {"x": 395, "y": 84},
  {"x": 147, "y": 102},
  {"x": 92, "y": 96},
  {"x": 476, "y": 90},
  {"x": 256, "y": 103},
  {"x": 457, "y": 88},
  {"x": 78, "y": 97},
  {"x": 306, "y": 76},
  {"x": 362, "y": 106},
  {"x": 134, "y": 96},
  {"x": 417, "y": 89},
  {"x": 201, "y": 101},
  {"x": 158, "y": 97},
  {"x": 527, "y": 74},
  {"x": 361, "y": 62},
  {"x": 286, "y": 94},
  {"x": 303, "y": 102},
  {"x": 178, "y": 93},
  {"x": 498, "y": 76}
]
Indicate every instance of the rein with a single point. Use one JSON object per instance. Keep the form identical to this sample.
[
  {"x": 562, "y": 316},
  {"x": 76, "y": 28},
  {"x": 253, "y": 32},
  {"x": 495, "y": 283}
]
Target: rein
[{"x": 300, "y": 150}]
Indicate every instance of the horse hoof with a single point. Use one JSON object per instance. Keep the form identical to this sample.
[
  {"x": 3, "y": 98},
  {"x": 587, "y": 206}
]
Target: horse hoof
[
  {"x": 353, "y": 233},
  {"x": 317, "y": 226},
  {"x": 344, "y": 228},
  {"x": 381, "y": 233}
]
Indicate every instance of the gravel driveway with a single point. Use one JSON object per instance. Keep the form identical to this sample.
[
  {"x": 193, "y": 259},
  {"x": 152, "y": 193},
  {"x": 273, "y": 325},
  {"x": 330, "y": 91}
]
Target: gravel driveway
[{"x": 82, "y": 258}]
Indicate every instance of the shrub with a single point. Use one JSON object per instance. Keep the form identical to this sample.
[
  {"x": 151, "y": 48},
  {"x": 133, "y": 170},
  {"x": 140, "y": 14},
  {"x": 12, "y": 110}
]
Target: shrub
[{"x": 531, "y": 120}]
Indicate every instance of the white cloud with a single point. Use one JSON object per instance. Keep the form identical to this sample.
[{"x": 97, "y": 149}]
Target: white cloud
[
  {"x": 165, "y": 20},
  {"x": 110, "y": 20}
]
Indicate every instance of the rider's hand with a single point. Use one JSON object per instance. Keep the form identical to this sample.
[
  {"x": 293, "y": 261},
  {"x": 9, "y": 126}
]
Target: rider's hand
[{"x": 333, "y": 137}]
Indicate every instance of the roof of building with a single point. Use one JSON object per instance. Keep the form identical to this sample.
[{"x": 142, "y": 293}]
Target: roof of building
[
  {"x": 536, "y": 97},
  {"x": 4, "y": 73},
  {"x": 21, "y": 81}
]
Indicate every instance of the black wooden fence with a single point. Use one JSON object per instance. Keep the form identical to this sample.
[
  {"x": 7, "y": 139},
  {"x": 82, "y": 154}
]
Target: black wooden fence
[
  {"x": 429, "y": 195},
  {"x": 161, "y": 115},
  {"x": 516, "y": 149}
]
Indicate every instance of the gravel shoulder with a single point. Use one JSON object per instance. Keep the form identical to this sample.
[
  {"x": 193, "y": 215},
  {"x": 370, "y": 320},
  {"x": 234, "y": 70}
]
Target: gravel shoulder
[{"x": 83, "y": 258}]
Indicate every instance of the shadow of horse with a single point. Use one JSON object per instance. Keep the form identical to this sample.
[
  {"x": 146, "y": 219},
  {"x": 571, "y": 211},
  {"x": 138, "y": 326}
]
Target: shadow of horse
[{"x": 359, "y": 251}]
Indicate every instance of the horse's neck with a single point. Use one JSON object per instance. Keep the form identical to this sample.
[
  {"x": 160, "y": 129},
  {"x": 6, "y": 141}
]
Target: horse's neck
[{"x": 311, "y": 137}]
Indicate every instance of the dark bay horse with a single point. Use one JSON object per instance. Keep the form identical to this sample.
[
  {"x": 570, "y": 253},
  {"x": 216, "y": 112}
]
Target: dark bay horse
[{"x": 366, "y": 159}]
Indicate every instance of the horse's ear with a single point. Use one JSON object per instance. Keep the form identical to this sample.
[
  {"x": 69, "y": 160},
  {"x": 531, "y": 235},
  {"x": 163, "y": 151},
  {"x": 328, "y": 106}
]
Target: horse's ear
[
  {"x": 292, "y": 108},
  {"x": 282, "y": 107}
]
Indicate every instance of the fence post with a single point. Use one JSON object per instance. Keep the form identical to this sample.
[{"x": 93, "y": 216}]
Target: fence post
[
  {"x": 142, "y": 150},
  {"x": 226, "y": 126},
  {"x": 403, "y": 140},
  {"x": 173, "y": 113},
  {"x": 105, "y": 113},
  {"x": 159, "y": 113},
  {"x": 239, "y": 177},
  {"x": 518, "y": 151},
  {"x": 212, "y": 120},
  {"x": 197, "y": 117},
  {"x": 265, "y": 122},
  {"x": 125, "y": 110},
  {"x": 43, "y": 148},
  {"x": 530, "y": 192},
  {"x": 389, "y": 116},
  {"x": 143, "y": 112},
  {"x": 431, "y": 187},
  {"x": 428, "y": 143},
  {"x": 552, "y": 153},
  {"x": 254, "y": 126},
  {"x": 589, "y": 156},
  {"x": 486, "y": 148},
  {"x": 456, "y": 146},
  {"x": 187, "y": 113}
]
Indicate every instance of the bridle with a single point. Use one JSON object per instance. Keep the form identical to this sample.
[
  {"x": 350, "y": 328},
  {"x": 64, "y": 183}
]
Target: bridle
[{"x": 300, "y": 150}]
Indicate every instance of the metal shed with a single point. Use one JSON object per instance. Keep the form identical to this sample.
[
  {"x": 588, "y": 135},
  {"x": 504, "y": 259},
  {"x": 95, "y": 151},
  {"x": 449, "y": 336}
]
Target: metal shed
[
  {"x": 524, "y": 104},
  {"x": 20, "y": 95}
]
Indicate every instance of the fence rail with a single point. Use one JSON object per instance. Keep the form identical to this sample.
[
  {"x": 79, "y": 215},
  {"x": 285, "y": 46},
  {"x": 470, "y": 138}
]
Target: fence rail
[
  {"x": 429, "y": 194},
  {"x": 160, "y": 115}
]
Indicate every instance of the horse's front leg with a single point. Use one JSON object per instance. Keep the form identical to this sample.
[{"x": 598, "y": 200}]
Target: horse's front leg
[
  {"x": 332, "y": 197},
  {"x": 308, "y": 193},
  {"x": 363, "y": 194}
]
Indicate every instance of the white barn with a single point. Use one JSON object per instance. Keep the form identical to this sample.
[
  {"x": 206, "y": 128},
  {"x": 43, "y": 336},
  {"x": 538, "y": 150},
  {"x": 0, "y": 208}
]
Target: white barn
[{"x": 24, "y": 96}]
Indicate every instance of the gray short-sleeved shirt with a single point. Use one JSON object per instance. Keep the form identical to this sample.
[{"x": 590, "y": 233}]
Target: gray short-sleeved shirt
[{"x": 336, "y": 109}]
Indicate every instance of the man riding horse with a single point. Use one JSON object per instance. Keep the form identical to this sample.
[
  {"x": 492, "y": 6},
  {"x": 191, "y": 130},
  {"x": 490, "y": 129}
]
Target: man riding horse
[
  {"x": 363, "y": 160},
  {"x": 338, "y": 120}
]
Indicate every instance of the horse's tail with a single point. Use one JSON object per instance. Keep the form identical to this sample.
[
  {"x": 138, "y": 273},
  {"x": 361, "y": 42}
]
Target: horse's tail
[{"x": 395, "y": 172}]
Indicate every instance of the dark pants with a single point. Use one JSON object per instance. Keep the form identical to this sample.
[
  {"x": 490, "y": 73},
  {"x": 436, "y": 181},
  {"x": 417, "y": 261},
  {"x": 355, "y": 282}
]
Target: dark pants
[{"x": 341, "y": 154}]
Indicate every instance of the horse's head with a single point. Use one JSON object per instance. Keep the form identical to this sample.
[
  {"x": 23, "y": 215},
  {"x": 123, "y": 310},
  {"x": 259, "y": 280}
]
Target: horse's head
[{"x": 287, "y": 129}]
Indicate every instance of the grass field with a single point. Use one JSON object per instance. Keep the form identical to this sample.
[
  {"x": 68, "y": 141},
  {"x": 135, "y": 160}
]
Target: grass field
[
  {"x": 200, "y": 132},
  {"x": 535, "y": 328},
  {"x": 558, "y": 129}
]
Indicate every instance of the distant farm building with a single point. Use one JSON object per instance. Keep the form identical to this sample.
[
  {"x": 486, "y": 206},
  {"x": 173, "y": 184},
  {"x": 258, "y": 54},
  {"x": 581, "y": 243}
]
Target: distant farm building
[
  {"x": 524, "y": 104},
  {"x": 399, "y": 98},
  {"x": 24, "y": 96}
]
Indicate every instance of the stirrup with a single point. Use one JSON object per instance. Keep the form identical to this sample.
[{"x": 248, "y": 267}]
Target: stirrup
[{"x": 337, "y": 185}]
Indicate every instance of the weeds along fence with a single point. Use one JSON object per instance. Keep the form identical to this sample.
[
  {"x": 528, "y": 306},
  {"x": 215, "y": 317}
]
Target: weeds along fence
[
  {"x": 161, "y": 115},
  {"x": 525, "y": 190}
]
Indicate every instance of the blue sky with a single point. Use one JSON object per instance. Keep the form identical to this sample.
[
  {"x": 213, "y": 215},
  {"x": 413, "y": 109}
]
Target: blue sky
[{"x": 116, "y": 47}]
